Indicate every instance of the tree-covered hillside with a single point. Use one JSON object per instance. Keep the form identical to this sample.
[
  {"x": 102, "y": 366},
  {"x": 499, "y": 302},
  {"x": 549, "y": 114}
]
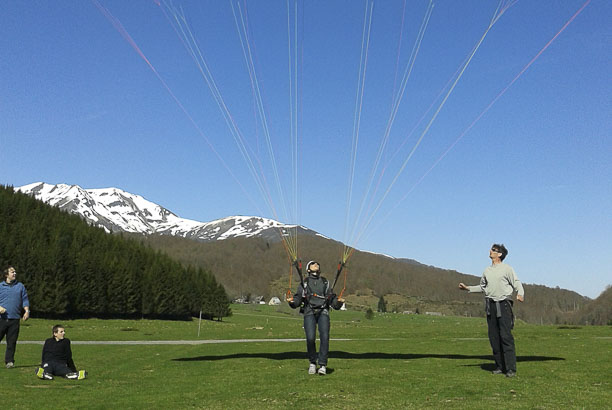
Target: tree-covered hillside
[
  {"x": 598, "y": 311},
  {"x": 72, "y": 269},
  {"x": 259, "y": 267}
]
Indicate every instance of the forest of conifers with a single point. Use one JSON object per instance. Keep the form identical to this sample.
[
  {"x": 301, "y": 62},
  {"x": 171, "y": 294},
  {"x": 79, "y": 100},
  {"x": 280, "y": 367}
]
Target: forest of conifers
[{"x": 71, "y": 269}]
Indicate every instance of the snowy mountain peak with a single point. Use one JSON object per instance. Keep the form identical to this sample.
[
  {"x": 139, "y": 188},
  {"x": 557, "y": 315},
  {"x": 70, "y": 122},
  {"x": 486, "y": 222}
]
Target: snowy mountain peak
[{"x": 116, "y": 210}]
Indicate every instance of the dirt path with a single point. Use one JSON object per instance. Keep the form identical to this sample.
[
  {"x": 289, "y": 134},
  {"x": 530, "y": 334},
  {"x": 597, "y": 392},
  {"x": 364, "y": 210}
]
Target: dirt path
[{"x": 173, "y": 342}]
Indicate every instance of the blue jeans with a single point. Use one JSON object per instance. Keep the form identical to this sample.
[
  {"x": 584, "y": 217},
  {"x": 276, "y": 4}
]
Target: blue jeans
[{"x": 310, "y": 327}]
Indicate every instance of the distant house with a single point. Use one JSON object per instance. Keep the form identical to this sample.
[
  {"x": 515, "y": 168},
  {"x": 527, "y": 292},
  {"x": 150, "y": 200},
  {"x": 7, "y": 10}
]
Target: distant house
[
  {"x": 434, "y": 313},
  {"x": 274, "y": 301}
]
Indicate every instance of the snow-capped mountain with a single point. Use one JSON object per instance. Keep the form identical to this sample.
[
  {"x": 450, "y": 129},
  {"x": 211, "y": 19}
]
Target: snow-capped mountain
[{"x": 118, "y": 211}]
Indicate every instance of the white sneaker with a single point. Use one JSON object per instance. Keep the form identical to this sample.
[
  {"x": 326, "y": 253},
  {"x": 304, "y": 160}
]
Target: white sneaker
[
  {"x": 10, "y": 365},
  {"x": 312, "y": 369},
  {"x": 322, "y": 371}
]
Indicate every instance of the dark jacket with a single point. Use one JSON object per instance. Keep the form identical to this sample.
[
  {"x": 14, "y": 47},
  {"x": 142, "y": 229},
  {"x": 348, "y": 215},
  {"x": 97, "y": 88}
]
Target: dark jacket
[
  {"x": 58, "y": 351},
  {"x": 318, "y": 296}
]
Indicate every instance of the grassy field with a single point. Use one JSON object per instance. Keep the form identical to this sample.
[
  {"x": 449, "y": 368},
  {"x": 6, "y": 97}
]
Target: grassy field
[{"x": 393, "y": 361}]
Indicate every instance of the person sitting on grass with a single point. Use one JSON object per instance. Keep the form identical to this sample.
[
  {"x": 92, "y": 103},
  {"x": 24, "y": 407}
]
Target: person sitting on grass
[{"x": 57, "y": 358}]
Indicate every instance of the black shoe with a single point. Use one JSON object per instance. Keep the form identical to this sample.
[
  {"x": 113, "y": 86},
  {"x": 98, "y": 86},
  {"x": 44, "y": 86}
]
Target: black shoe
[
  {"x": 511, "y": 373},
  {"x": 497, "y": 371}
]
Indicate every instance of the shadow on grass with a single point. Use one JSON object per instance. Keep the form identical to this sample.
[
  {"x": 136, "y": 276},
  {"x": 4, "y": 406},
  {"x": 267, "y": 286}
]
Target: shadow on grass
[
  {"x": 33, "y": 366},
  {"x": 489, "y": 367},
  {"x": 338, "y": 354}
]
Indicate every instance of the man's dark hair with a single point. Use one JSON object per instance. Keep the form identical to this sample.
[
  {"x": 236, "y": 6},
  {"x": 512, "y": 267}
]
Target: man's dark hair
[
  {"x": 6, "y": 271},
  {"x": 57, "y": 327},
  {"x": 501, "y": 249}
]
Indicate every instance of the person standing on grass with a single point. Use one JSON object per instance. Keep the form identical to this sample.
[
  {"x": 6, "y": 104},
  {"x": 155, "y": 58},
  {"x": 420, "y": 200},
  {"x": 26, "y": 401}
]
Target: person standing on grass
[
  {"x": 57, "y": 358},
  {"x": 499, "y": 282},
  {"x": 14, "y": 305},
  {"x": 315, "y": 299}
]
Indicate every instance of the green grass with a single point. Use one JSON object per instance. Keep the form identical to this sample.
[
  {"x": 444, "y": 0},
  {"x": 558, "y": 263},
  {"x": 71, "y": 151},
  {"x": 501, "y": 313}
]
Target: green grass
[{"x": 392, "y": 361}]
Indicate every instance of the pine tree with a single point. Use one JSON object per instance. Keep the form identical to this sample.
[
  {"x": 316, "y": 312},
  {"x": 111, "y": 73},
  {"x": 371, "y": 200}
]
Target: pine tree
[
  {"x": 71, "y": 268},
  {"x": 382, "y": 304}
]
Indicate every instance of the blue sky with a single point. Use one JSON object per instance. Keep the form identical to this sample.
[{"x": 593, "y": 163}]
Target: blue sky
[{"x": 79, "y": 105}]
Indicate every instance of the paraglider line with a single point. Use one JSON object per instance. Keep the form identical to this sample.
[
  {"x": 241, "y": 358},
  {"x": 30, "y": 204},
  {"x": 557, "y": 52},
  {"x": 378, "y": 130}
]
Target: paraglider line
[{"x": 497, "y": 97}]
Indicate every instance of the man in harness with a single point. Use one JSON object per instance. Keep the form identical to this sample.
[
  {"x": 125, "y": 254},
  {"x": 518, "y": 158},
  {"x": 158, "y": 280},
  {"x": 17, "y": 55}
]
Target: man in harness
[
  {"x": 314, "y": 297},
  {"x": 499, "y": 282}
]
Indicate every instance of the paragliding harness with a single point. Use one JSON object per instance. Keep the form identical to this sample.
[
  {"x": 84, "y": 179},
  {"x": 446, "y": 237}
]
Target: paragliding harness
[{"x": 315, "y": 290}]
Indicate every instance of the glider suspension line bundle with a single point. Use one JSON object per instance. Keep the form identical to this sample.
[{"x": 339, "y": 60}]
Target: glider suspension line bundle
[{"x": 370, "y": 203}]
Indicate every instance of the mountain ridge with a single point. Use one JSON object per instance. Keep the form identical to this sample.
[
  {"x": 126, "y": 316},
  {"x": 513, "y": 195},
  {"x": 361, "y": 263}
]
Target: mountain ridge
[
  {"x": 248, "y": 258},
  {"x": 116, "y": 210}
]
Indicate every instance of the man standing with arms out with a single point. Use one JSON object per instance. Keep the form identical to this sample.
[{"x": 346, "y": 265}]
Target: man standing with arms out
[
  {"x": 499, "y": 282},
  {"x": 13, "y": 299}
]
